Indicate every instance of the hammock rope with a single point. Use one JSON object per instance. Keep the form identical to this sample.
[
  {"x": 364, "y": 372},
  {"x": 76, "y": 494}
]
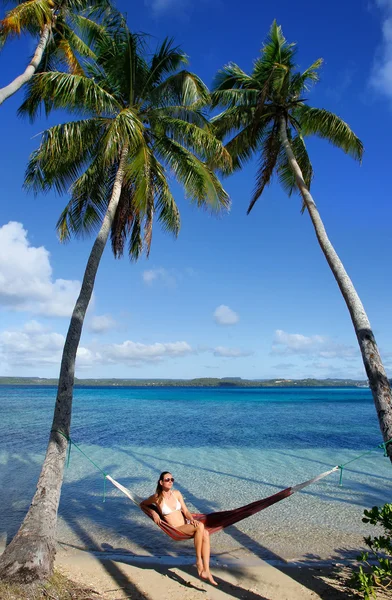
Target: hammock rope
[{"x": 216, "y": 521}]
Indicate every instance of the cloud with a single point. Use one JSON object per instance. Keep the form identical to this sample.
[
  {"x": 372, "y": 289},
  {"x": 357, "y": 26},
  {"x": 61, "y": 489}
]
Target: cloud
[
  {"x": 101, "y": 323},
  {"x": 33, "y": 345},
  {"x": 134, "y": 352},
  {"x": 161, "y": 274},
  {"x": 381, "y": 75},
  {"x": 223, "y": 315},
  {"x": 231, "y": 352},
  {"x": 318, "y": 345},
  {"x": 26, "y": 282}
]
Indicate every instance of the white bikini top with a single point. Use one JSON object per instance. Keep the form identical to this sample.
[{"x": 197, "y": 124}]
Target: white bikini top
[{"x": 166, "y": 510}]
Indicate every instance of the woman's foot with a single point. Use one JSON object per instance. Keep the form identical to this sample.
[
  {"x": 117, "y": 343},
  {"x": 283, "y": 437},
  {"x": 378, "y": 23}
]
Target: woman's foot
[
  {"x": 206, "y": 575},
  {"x": 200, "y": 568}
]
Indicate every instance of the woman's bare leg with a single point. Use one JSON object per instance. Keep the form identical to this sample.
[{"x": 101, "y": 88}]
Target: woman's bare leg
[
  {"x": 206, "y": 552},
  {"x": 198, "y": 533}
]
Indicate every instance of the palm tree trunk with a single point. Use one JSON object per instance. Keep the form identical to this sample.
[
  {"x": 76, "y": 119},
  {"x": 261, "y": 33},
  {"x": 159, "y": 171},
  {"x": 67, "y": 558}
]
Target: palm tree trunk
[
  {"x": 378, "y": 380},
  {"x": 30, "y": 555},
  {"x": 17, "y": 83}
]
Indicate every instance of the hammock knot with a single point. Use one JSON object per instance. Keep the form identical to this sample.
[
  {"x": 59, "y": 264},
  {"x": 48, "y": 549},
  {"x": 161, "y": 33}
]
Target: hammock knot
[
  {"x": 383, "y": 446},
  {"x": 341, "y": 467}
]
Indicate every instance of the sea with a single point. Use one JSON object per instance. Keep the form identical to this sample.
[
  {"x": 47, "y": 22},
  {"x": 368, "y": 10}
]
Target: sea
[{"x": 225, "y": 447}]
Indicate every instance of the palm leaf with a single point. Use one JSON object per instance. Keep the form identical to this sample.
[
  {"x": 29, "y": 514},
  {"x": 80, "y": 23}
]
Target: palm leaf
[
  {"x": 326, "y": 125},
  {"x": 268, "y": 160},
  {"x": 200, "y": 183},
  {"x": 64, "y": 152},
  {"x": 183, "y": 88},
  {"x": 76, "y": 93},
  {"x": 284, "y": 170},
  {"x": 30, "y": 16}
]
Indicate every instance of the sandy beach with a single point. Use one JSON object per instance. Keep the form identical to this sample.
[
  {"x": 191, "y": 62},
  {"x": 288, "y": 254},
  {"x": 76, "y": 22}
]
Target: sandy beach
[{"x": 156, "y": 578}]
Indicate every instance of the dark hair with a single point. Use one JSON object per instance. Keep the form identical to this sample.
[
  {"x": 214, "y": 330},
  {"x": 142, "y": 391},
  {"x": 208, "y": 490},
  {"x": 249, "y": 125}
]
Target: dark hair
[{"x": 159, "y": 489}]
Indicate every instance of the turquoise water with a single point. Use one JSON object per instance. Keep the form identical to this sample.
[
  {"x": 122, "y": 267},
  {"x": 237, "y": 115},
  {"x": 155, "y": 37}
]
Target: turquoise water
[{"x": 225, "y": 447}]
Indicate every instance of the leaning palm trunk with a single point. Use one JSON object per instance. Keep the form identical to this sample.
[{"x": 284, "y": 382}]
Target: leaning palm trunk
[
  {"x": 378, "y": 380},
  {"x": 30, "y": 555},
  {"x": 19, "y": 81}
]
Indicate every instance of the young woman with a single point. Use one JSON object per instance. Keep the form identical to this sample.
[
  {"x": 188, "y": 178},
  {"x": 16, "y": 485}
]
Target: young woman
[{"x": 174, "y": 511}]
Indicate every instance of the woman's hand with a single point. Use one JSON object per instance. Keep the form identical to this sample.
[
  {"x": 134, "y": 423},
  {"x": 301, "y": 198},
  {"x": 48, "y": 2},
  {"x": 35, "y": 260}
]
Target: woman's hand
[
  {"x": 194, "y": 523},
  {"x": 156, "y": 517}
]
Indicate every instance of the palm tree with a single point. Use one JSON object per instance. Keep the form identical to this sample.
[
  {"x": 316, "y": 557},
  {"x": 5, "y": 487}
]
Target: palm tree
[
  {"x": 54, "y": 23},
  {"x": 143, "y": 118},
  {"x": 266, "y": 115}
]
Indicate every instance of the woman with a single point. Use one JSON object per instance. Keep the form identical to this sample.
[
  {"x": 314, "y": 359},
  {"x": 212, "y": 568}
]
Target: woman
[{"x": 174, "y": 511}]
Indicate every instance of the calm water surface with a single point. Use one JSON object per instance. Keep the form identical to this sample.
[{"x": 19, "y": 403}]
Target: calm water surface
[{"x": 225, "y": 447}]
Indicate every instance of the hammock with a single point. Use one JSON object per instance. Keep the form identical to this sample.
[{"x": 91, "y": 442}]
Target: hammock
[{"x": 216, "y": 521}]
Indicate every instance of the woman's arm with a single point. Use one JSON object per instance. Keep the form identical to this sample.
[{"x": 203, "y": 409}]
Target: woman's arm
[{"x": 145, "y": 504}]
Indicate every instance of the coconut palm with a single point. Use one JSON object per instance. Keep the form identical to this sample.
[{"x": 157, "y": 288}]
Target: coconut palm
[
  {"x": 143, "y": 118},
  {"x": 54, "y": 23},
  {"x": 265, "y": 114}
]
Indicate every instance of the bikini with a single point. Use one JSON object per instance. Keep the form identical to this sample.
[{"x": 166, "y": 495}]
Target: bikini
[{"x": 166, "y": 510}]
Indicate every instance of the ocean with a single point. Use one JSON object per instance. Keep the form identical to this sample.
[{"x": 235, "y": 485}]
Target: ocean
[{"x": 225, "y": 447}]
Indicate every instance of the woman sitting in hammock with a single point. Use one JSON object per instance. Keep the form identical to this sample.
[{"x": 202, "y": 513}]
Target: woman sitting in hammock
[{"x": 174, "y": 511}]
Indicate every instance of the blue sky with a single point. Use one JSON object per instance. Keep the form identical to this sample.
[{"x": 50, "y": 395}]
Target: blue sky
[{"x": 235, "y": 295}]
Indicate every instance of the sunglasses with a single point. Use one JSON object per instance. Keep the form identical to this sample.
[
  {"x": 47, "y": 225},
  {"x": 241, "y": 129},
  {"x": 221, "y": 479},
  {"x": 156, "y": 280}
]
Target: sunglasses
[{"x": 169, "y": 479}]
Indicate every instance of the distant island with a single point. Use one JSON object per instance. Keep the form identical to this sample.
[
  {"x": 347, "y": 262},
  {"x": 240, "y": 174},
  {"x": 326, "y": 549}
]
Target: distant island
[{"x": 211, "y": 382}]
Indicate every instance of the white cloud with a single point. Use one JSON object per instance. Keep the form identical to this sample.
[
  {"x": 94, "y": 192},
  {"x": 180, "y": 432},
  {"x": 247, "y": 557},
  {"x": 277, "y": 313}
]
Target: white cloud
[
  {"x": 101, "y": 323},
  {"x": 160, "y": 274},
  {"x": 223, "y": 315},
  {"x": 26, "y": 282},
  {"x": 34, "y": 345},
  {"x": 131, "y": 352},
  {"x": 381, "y": 76},
  {"x": 318, "y": 345},
  {"x": 230, "y": 352}
]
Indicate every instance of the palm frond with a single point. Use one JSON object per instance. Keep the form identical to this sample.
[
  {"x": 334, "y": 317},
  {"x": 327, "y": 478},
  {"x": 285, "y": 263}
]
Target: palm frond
[
  {"x": 235, "y": 97},
  {"x": 284, "y": 170},
  {"x": 232, "y": 77},
  {"x": 76, "y": 93},
  {"x": 231, "y": 120},
  {"x": 168, "y": 213},
  {"x": 326, "y": 125},
  {"x": 64, "y": 152},
  {"x": 90, "y": 196},
  {"x": 302, "y": 82},
  {"x": 202, "y": 141},
  {"x": 30, "y": 16},
  {"x": 166, "y": 60},
  {"x": 183, "y": 88},
  {"x": 125, "y": 130},
  {"x": 189, "y": 114},
  {"x": 268, "y": 159},
  {"x": 123, "y": 221},
  {"x": 247, "y": 142},
  {"x": 275, "y": 51},
  {"x": 200, "y": 183},
  {"x": 135, "y": 241}
]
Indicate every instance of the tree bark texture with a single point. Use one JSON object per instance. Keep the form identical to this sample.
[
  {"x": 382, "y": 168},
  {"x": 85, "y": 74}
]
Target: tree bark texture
[
  {"x": 19, "y": 81},
  {"x": 378, "y": 380},
  {"x": 30, "y": 555}
]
